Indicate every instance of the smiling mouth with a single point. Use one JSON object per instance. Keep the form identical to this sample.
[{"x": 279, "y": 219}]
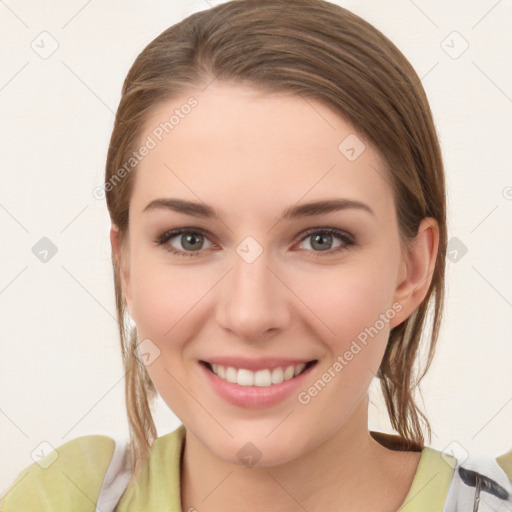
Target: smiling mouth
[{"x": 261, "y": 378}]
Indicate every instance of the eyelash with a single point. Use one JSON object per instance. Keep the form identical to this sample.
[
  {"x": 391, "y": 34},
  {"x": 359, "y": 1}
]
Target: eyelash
[{"x": 344, "y": 236}]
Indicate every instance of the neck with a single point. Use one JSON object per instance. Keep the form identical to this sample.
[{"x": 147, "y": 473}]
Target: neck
[{"x": 349, "y": 467}]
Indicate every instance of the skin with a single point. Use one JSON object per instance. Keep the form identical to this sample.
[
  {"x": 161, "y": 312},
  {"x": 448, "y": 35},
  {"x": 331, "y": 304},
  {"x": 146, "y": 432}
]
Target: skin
[{"x": 251, "y": 154}]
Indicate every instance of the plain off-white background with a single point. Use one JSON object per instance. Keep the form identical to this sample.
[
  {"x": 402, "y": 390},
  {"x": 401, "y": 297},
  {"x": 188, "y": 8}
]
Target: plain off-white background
[{"x": 60, "y": 367}]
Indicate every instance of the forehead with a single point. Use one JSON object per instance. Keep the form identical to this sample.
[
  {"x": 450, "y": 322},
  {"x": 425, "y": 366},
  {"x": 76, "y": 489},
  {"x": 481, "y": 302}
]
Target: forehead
[{"x": 239, "y": 147}]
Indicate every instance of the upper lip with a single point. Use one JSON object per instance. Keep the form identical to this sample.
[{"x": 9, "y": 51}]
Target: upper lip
[{"x": 256, "y": 363}]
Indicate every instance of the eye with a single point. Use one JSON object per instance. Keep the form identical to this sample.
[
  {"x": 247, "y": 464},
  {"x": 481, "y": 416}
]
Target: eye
[
  {"x": 322, "y": 239},
  {"x": 191, "y": 241}
]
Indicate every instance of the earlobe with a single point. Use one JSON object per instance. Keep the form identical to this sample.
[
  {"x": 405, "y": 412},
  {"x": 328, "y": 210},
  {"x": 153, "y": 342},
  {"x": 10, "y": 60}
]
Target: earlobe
[
  {"x": 417, "y": 269},
  {"x": 122, "y": 264}
]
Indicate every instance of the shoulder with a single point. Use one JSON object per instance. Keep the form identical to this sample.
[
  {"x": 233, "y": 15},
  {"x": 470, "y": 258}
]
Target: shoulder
[
  {"x": 67, "y": 478},
  {"x": 156, "y": 484},
  {"x": 505, "y": 462},
  {"x": 449, "y": 482},
  {"x": 482, "y": 481}
]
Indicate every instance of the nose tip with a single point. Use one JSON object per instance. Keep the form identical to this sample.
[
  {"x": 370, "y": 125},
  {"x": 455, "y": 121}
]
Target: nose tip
[{"x": 253, "y": 300}]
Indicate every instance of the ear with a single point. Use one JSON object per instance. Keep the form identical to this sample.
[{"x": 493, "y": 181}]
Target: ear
[
  {"x": 416, "y": 269},
  {"x": 121, "y": 257}
]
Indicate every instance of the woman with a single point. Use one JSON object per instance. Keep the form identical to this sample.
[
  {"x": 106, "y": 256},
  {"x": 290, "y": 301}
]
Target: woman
[{"x": 277, "y": 198}]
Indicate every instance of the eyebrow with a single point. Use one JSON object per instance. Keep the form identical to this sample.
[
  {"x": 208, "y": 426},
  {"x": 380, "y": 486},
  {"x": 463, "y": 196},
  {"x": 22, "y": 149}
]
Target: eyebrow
[{"x": 292, "y": 212}]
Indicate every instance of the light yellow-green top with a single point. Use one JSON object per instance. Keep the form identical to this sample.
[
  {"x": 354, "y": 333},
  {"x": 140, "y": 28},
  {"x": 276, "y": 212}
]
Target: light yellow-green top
[{"x": 74, "y": 480}]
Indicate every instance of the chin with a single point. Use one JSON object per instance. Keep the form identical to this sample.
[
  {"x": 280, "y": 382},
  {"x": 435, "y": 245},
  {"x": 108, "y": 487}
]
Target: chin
[{"x": 262, "y": 448}]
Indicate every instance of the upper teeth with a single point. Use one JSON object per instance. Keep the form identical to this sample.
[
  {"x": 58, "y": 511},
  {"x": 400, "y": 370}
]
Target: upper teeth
[{"x": 265, "y": 377}]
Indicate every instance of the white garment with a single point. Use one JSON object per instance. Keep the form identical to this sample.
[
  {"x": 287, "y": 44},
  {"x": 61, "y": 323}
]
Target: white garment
[
  {"x": 479, "y": 484},
  {"x": 116, "y": 478}
]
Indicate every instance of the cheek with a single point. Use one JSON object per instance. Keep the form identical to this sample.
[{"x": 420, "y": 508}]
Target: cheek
[
  {"x": 348, "y": 298},
  {"x": 353, "y": 304},
  {"x": 166, "y": 302},
  {"x": 164, "y": 296}
]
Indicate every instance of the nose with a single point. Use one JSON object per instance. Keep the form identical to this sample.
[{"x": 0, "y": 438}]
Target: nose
[{"x": 254, "y": 299}]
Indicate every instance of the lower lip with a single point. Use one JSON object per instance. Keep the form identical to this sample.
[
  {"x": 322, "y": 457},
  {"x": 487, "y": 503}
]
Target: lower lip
[{"x": 254, "y": 396}]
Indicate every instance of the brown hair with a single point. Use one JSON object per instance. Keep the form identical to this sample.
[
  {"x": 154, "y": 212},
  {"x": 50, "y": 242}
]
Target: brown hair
[{"x": 321, "y": 51}]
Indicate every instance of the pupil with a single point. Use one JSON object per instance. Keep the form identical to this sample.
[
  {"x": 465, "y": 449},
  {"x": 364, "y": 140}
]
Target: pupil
[
  {"x": 188, "y": 238},
  {"x": 322, "y": 246}
]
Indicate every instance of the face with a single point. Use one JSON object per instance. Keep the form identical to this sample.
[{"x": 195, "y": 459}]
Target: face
[{"x": 256, "y": 287}]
